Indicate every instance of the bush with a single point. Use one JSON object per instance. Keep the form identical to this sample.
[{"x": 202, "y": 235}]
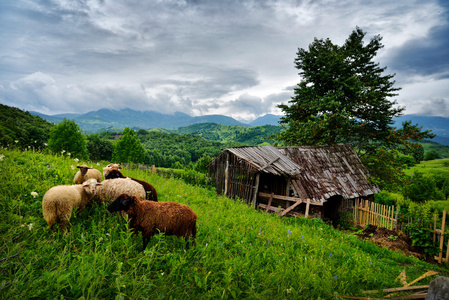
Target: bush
[
  {"x": 421, "y": 187},
  {"x": 431, "y": 155}
]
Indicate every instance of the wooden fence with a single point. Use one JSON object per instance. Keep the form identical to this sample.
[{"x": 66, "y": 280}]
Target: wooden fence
[{"x": 366, "y": 212}]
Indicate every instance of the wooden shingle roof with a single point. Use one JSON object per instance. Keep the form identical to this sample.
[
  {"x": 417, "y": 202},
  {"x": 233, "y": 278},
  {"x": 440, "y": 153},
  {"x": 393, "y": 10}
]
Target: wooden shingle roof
[
  {"x": 329, "y": 170},
  {"x": 267, "y": 159}
]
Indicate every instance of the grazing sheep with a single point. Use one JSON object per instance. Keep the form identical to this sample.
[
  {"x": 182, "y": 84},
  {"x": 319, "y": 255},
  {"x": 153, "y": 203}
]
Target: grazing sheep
[
  {"x": 86, "y": 173},
  {"x": 150, "y": 191},
  {"x": 60, "y": 200},
  {"x": 109, "y": 168},
  {"x": 112, "y": 188},
  {"x": 150, "y": 217}
]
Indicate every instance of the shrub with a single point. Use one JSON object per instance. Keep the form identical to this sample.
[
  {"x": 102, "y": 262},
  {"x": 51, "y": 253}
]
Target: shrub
[{"x": 431, "y": 155}]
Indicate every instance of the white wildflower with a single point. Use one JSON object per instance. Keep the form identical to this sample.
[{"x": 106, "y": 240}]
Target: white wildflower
[
  {"x": 76, "y": 160},
  {"x": 30, "y": 226},
  {"x": 45, "y": 144},
  {"x": 34, "y": 194},
  {"x": 73, "y": 167},
  {"x": 1, "y": 157},
  {"x": 69, "y": 154},
  {"x": 16, "y": 141}
]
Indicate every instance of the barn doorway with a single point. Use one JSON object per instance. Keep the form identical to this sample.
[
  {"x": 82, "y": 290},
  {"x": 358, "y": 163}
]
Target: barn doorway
[{"x": 332, "y": 209}]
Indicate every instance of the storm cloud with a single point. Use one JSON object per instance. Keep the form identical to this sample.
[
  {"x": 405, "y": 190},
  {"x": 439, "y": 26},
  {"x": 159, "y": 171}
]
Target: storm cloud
[{"x": 205, "y": 57}]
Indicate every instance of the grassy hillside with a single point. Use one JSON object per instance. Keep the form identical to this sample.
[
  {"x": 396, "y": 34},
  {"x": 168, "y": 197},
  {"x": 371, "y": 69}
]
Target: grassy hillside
[
  {"x": 434, "y": 167},
  {"x": 442, "y": 150},
  {"x": 21, "y": 129},
  {"x": 239, "y": 253}
]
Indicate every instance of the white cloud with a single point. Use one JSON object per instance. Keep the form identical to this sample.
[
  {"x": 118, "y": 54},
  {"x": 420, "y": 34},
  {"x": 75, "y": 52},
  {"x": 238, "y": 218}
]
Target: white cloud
[{"x": 225, "y": 57}]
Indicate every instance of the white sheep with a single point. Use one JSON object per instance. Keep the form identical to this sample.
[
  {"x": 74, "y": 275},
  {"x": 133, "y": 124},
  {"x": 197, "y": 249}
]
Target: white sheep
[
  {"x": 86, "y": 173},
  {"x": 60, "y": 200},
  {"x": 109, "y": 168},
  {"x": 112, "y": 188}
]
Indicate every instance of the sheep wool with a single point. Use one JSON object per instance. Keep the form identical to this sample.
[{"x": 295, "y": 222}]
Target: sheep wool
[
  {"x": 112, "y": 188},
  {"x": 150, "y": 191},
  {"x": 149, "y": 217},
  {"x": 86, "y": 173},
  {"x": 109, "y": 168},
  {"x": 59, "y": 201}
]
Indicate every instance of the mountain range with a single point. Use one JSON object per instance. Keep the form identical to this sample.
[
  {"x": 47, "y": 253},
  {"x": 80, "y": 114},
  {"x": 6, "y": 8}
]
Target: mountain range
[{"x": 108, "y": 119}]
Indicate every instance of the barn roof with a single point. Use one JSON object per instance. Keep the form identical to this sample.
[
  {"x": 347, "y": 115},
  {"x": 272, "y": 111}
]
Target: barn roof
[
  {"x": 267, "y": 159},
  {"x": 329, "y": 170}
]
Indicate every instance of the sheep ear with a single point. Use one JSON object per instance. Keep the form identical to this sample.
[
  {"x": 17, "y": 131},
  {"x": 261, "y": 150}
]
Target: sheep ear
[
  {"x": 79, "y": 167},
  {"x": 99, "y": 183}
]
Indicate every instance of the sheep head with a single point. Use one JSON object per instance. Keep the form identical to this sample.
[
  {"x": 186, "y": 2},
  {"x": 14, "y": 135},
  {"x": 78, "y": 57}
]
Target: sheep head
[
  {"x": 83, "y": 169},
  {"x": 90, "y": 186},
  {"x": 122, "y": 202},
  {"x": 114, "y": 174},
  {"x": 109, "y": 168}
]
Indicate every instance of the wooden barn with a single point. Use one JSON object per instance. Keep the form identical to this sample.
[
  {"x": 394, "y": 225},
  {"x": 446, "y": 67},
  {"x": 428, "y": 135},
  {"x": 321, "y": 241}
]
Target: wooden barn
[{"x": 315, "y": 180}]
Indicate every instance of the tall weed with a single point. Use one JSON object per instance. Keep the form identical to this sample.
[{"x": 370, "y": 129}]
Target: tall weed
[{"x": 239, "y": 252}]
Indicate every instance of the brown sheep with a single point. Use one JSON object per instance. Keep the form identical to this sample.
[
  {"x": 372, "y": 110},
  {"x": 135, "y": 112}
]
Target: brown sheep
[
  {"x": 150, "y": 217},
  {"x": 86, "y": 173},
  {"x": 150, "y": 191}
]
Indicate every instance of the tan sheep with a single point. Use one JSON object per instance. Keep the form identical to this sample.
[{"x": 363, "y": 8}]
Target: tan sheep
[
  {"x": 59, "y": 201},
  {"x": 109, "y": 168},
  {"x": 86, "y": 173},
  {"x": 112, "y": 188}
]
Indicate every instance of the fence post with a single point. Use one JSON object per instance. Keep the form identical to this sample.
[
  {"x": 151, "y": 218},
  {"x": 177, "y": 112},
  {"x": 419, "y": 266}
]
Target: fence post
[{"x": 440, "y": 256}]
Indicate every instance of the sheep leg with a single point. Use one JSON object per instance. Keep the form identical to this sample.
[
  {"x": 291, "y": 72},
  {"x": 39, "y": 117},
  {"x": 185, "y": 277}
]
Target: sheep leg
[
  {"x": 62, "y": 225},
  {"x": 145, "y": 240}
]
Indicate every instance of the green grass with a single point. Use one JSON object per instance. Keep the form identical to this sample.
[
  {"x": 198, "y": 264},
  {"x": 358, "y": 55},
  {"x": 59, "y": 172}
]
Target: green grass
[
  {"x": 239, "y": 252},
  {"x": 437, "y": 166}
]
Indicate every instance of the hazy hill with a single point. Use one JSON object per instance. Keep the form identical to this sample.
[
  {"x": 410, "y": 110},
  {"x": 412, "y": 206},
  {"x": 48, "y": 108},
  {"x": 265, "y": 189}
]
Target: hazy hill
[{"x": 103, "y": 119}]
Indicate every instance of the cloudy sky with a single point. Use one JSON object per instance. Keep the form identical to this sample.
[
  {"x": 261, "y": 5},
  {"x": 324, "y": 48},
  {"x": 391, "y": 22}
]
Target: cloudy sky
[{"x": 233, "y": 57}]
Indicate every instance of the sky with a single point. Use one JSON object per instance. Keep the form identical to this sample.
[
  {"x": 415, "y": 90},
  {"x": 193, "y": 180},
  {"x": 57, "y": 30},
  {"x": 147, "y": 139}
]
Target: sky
[{"x": 234, "y": 58}]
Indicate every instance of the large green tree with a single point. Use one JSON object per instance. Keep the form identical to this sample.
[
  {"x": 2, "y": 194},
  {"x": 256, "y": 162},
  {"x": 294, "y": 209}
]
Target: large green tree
[
  {"x": 66, "y": 137},
  {"x": 128, "y": 148},
  {"x": 99, "y": 149},
  {"x": 344, "y": 96}
]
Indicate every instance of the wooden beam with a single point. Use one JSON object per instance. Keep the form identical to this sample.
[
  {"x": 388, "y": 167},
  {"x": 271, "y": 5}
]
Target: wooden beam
[
  {"x": 399, "y": 289},
  {"x": 273, "y": 208},
  {"x": 226, "y": 174},
  {"x": 269, "y": 164},
  {"x": 440, "y": 256},
  {"x": 290, "y": 208},
  {"x": 269, "y": 202},
  {"x": 307, "y": 207},
  {"x": 256, "y": 190},
  {"x": 286, "y": 198}
]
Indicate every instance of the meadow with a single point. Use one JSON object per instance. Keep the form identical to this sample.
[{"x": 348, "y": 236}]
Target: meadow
[{"x": 239, "y": 252}]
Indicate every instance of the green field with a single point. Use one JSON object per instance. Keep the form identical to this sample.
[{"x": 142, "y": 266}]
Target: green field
[
  {"x": 437, "y": 166},
  {"x": 239, "y": 253}
]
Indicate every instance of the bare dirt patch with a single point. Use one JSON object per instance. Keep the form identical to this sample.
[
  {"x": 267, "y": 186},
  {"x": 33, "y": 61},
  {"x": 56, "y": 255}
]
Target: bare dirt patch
[{"x": 391, "y": 239}]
